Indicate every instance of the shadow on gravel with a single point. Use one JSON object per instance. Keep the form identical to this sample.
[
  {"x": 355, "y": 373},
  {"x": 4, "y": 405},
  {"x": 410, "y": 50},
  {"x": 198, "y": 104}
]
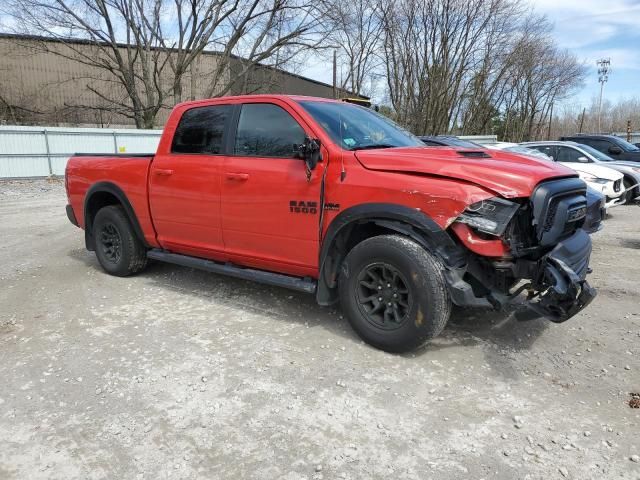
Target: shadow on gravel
[
  {"x": 630, "y": 243},
  {"x": 86, "y": 257},
  {"x": 500, "y": 328},
  {"x": 465, "y": 328},
  {"x": 499, "y": 334},
  {"x": 280, "y": 304}
]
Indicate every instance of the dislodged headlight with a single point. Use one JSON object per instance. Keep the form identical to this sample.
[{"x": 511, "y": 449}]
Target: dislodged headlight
[{"x": 489, "y": 216}]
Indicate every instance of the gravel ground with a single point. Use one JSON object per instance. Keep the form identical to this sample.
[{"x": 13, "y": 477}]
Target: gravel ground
[{"x": 177, "y": 373}]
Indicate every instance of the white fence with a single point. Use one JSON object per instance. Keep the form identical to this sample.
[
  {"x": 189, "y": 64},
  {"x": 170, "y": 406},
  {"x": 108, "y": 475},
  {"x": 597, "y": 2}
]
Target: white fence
[
  {"x": 481, "y": 139},
  {"x": 41, "y": 152}
]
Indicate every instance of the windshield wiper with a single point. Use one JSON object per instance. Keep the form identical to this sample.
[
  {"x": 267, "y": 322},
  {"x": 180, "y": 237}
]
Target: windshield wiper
[{"x": 374, "y": 145}]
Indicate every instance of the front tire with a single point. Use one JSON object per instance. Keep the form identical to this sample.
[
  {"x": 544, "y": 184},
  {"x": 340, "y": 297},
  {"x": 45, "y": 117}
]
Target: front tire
[
  {"x": 117, "y": 247},
  {"x": 394, "y": 293},
  {"x": 631, "y": 193}
]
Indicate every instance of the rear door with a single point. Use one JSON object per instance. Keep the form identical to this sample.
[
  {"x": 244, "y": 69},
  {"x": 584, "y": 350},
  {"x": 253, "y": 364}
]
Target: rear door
[
  {"x": 184, "y": 184},
  {"x": 270, "y": 209}
]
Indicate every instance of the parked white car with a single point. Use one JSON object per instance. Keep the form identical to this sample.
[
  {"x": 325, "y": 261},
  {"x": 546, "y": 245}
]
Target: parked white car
[
  {"x": 517, "y": 148},
  {"x": 588, "y": 154},
  {"x": 602, "y": 179}
]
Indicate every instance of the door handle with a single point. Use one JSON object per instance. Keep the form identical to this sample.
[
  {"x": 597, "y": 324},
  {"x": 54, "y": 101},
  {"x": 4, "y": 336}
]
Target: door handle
[
  {"x": 238, "y": 176},
  {"x": 164, "y": 172}
]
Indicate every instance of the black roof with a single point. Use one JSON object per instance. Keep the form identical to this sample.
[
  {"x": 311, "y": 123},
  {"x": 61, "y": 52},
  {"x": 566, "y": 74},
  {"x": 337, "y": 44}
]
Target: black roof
[{"x": 592, "y": 135}]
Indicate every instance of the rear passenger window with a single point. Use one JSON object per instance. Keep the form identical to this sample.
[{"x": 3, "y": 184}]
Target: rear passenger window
[
  {"x": 201, "y": 129},
  {"x": 266, "y": 130}
]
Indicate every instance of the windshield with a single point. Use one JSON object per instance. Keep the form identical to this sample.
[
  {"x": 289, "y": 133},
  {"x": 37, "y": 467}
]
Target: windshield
[
  {"x": 525, "y": 151},
  {"x": 458, "y": 142},
  {"x": 354, "y": 128},
  {"x": 626, "y": 146},
  {"x": 597, "y": 154}
]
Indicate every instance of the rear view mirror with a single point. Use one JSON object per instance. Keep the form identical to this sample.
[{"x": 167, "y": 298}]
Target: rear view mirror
[
  {"x": 583, "y": 159},
  {"x": 615, "y": 150},
  {"x": 310, "y": 152}
]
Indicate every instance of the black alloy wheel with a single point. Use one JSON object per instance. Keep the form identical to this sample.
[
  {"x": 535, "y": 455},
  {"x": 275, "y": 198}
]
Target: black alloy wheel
[
  {"x": 110, "y": 242},
  {"x": 393, "y": 292},
  {"x": 383, "y": 295}
]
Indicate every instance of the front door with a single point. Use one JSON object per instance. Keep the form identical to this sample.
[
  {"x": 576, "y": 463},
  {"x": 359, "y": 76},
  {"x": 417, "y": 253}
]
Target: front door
[
  {"x": 270, "y": 209},
  {"x": 185, "y": 184}
]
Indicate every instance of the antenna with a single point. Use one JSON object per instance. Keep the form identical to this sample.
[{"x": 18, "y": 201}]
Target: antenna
[
  {"x": 604, "y": 64},
  {"x": 343, "y": 172}
]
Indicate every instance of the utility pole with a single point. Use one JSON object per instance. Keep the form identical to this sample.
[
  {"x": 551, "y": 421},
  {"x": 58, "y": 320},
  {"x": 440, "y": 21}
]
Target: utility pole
[
  {"x": 603, "y": 75},
  {"x": 335, "y": 74},
  {"x": 629, "y": 131},
  {"x": 550, "y": 120},
  {"x": 584, "y": 109}
]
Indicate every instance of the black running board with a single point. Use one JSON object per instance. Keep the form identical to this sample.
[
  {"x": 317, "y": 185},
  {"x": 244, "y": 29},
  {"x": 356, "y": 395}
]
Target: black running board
[{"x": 294, "y": 283}]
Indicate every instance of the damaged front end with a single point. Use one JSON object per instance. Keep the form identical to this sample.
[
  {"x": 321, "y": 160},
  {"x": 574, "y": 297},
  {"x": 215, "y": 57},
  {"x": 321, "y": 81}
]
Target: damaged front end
[
  {"x": 561, "y": 289},
  {"x": 535, "y": 246}
]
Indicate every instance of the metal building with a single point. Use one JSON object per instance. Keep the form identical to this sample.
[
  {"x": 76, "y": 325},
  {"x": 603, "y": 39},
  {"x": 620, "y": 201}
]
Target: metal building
[{"x": 43, "y": 83}]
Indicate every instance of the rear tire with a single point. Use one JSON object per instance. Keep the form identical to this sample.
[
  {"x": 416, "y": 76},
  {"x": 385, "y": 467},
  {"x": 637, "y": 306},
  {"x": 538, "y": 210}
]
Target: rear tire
[
  {"x": 117, "y": 247},
  {"x": 394, "y": 293}
]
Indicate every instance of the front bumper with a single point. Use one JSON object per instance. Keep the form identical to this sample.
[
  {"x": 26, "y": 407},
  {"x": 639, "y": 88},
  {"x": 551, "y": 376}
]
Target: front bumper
[
  {"x": 557, "y": 288},
  {"x": 614, "y": 202},
  {"x": 596, "y": 213},
  {"x": 561, "y": 289}
]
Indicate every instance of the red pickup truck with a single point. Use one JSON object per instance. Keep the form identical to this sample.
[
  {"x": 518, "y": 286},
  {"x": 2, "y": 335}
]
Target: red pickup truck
[{"x": 333, "y": 199}]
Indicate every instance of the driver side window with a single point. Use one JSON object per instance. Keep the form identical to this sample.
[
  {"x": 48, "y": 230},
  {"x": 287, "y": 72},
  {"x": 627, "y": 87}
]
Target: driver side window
[
  {"x": 567, "y": 154},
  {"x": 266, "y": 130}
]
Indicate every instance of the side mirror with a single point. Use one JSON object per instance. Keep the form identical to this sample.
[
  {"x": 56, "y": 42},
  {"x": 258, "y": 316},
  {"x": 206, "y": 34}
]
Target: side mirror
[
  {"x": 615, "y": 150},
  {"x": 583, "y": 159},
  {"x": 309, "y": 151}
]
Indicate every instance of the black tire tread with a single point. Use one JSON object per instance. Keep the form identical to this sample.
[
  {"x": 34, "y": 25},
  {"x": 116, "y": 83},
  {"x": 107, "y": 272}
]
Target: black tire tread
[
  {"x": 138, "y": 255},
  {"x": 432, "y": 279}
]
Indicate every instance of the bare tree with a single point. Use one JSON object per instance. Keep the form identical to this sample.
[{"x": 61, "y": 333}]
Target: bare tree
[
  {"x": 462, "y": 66},
  {"x": 540, "y": 75},
  {"x": 433, "y": 48},
  {"x": 265, "y": 33},
  {"x": 141, "y": 51},
  {"x": 614, "y": 118},
  {"x": 356, "y": 32}
]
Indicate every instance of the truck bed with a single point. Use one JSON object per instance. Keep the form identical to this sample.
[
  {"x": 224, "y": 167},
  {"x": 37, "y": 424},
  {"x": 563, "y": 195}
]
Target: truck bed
[{"x": 126, "y": 172}]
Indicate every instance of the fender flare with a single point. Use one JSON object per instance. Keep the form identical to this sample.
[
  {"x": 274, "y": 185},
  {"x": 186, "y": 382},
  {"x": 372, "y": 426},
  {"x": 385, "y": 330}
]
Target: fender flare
[
  {"x": 404, "y": 220},
  {"x": 116, "y": 191}
]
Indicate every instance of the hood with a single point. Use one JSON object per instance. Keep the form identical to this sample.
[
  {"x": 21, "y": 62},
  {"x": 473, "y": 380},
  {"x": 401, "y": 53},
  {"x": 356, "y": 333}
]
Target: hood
[
  {"x": 596, "y": 171},
  {"x": 621, "y": 163},
  {"x": 632, "y": 156},
  {"x": 510, "y": 175}
]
